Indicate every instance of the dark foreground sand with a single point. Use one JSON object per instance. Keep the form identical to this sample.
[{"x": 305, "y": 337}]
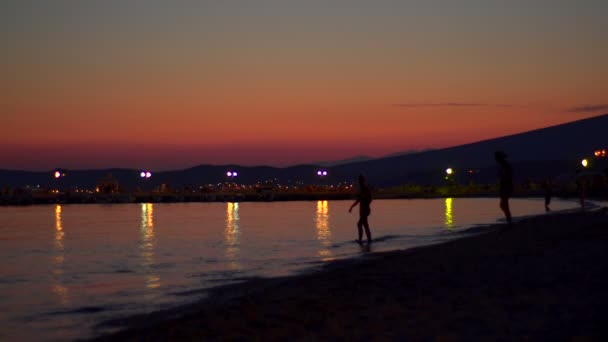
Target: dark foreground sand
[{"x": 546, "y": 279}]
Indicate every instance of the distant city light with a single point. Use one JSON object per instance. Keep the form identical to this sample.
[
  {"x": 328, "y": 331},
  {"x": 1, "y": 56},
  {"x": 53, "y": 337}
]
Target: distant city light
[
  {"x": 148, "y": 174},
  {"x": 57, "y": 174},
  {"x": 321, "y": 173},
  {"x": 232, "y": 174},
  {"x": 142, "y": 174},
  {"x": 449, "y": 171},
  {"x": 584, "y": 162}
]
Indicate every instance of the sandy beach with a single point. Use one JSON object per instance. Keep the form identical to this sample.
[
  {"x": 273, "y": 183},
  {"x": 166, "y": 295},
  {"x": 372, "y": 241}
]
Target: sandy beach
[{"x": 544, "y": 279}]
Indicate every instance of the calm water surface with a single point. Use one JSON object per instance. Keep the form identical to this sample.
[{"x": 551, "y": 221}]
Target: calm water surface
[{"x": 68, "y": 267}]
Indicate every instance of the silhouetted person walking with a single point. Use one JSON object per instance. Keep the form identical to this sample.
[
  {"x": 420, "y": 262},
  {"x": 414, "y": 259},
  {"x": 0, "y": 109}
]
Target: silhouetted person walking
[
  {"x": 546, "y": 185},
  {"x": 505, "y": 185},
  {"x": 364, "y": 199}
]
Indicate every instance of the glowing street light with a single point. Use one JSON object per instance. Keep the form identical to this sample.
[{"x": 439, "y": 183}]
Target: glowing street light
[
  {"x": 449, "y": 175},
  {"x": 232, "y": 174},
  {"x": 58, "y": 174},
  {"x": 322, "y": 173},
  {"x": 585, "y": 162},
  {"x": 145, "y": 174}
]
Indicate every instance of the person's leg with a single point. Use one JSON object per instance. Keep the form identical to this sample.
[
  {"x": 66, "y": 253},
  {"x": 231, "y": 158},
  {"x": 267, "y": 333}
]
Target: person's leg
[
  {"x": 360, "y": 229},
  {"x": 368, "y": 233},
  {"x": 504, "y": 205}
]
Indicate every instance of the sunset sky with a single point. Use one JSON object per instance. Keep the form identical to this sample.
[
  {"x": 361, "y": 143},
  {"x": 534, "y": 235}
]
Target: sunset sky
[{"x": 173, "y": 84}]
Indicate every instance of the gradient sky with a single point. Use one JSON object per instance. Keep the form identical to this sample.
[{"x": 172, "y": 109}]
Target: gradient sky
[{"x": 173, "y": 84}]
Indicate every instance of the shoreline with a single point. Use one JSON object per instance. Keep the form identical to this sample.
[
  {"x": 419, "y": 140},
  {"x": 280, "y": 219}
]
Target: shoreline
[
  {"x": 227, "y": 197},
  {"x": 544, "y": 279}
]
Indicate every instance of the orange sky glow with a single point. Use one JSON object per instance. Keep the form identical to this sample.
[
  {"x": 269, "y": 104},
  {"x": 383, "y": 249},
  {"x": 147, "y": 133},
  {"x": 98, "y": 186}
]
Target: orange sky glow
[{"x": 149, "y": 85}]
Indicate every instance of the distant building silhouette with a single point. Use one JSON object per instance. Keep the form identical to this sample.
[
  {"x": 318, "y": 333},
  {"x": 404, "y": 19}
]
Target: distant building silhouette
[{"x": 108, "y": 185}]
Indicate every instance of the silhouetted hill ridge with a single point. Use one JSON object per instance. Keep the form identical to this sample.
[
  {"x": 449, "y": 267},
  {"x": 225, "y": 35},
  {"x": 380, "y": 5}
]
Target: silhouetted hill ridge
[
  {"x": 564, "y": 142},
  {"x": 546, "y": 151}
]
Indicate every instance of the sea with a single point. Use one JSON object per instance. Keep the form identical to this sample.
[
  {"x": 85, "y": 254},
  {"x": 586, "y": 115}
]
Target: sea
[{"x": 66, "y": 268}]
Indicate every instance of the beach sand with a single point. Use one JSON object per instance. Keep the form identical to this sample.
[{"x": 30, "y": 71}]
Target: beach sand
[{"x": 544, "y": 279}]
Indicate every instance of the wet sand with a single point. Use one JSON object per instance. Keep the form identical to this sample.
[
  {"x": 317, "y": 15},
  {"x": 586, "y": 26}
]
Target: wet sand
[{"x": 544, "y": 279}]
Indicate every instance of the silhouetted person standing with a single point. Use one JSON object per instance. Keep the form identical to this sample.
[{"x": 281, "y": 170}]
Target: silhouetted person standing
[
  {"x": 580, "y": 187},
  {"x": 364, "y": 199},
  {"x": 505, "y": 185}
]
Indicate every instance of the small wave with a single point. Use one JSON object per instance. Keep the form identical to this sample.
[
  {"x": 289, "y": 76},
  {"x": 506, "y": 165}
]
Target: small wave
[
  {"x": 383, "y": 238},
  {"x": 124, "y": 271},
  {"x": 474, "y": 229},
  {"x": 387, "y": 238},
  {"x": 162, "y": 265},
  {"x": 226, "y": 274},
  {"x": 10, "y": 281},
  {"x": 80, "y": 310},
  {"x": 213, "y": 284}
]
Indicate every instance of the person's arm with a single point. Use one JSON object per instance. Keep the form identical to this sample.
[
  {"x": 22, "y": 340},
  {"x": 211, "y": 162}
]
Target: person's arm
[{"x": 352, "y": 206}]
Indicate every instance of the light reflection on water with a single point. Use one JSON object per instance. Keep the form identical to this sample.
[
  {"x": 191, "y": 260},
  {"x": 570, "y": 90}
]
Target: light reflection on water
[
  {"x": 323, "y": 230},
  {"x": 231, "y": 234},
  {"x": 59, "y": 259},
  {"x": 128, "y": 257},
  {"x": 147, "y": 245},
  {"x": 449, "y": 219}
]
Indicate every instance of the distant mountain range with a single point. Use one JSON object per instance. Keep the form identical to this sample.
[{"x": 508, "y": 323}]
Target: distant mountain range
[
  {"x": 343, "y": 161},
  {"x": 545, "y": 152},
  {"x": 357, "y": 159},
  {"x": 540, "y": 153}
]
